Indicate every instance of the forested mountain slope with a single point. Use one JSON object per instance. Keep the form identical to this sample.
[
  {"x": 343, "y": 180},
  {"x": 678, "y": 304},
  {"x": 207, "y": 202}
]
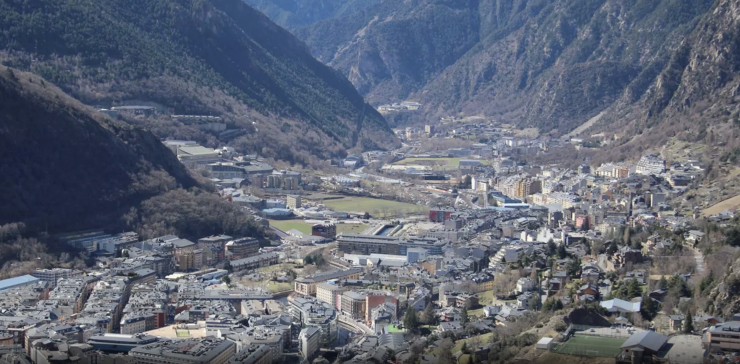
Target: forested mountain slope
[
  {"x": 63, "y": 165},
  {"x": 213, "y": 57}
]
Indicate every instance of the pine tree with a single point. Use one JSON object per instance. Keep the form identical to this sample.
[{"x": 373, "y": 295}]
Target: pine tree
[
  {"x": 633, "y": 290},
  {"x": 561, "y": 251},
  {"x": 410, "y": 320},
  {"x": 688, "y": 324},
  {"x": 464, "y": 316},
  {"x": 428, "y": 315},
  {"x": 627, "y": 236},
  {"x": 663, "y": 284}
]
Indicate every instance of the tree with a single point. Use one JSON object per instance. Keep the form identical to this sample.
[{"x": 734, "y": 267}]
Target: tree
[
  {"x": 228, "y": 267},
  {"x": 226, "y": 279},
  {"x": 561, "y": 251},
  {"x": 627, "y": 236},
  {"x": 649, "y": 307},
  {"x": 663, "y": 283},
  {"x": 573, "y": 267},
  {"x": 428, "y": 316},
  {"x": 534, "y": 302},
  {"x": 688, "y": 324},
  {"x": 464, "y": 316},
  {"x": 464, "y": 347},
  {"x": 732, "y": 236},
  {"x": 445, "y": 352},
  {"x": 551, "y": 247},
  {"x": 633, "y": 289},
  {"x": 410, "y": 320}
]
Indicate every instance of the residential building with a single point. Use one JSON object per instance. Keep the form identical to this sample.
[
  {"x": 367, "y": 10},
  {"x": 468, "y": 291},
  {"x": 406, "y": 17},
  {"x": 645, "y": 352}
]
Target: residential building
[
  {"x": 307, "y": 285},
  {"x": 326, "y": 230},
  {"x": 53, "y": 275},
  {"x": 650, "y": 164},
  {"x": 724, "y": 337},
  {"x": 329, "y": 292},
  {"x": 242, "y": 248},
  {"x": 256, "y": 262},
  {"x": 293, "y": 202},
  {"x": 195, "y": 351},
  {"x": 641, "y": 346},
  {"x": 311, "y": 312},
  {"x": 353, "y": 303},
  {"x": 253, "y": 354},
  {"x": 310, "y": 341}
]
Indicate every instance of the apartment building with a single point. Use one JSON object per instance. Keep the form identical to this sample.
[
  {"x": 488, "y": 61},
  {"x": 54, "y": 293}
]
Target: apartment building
[
  {"x": 307, "y": 285},
  {"x": 328, "y": 292}
]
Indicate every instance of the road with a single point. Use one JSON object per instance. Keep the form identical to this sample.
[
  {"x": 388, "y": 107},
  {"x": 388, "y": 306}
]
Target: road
[
  {"x": 699, "y": 257},
  {"x": 354, "y": 324}
]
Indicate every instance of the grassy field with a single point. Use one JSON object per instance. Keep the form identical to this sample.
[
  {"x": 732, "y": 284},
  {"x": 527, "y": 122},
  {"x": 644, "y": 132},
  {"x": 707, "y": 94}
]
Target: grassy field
[
  {"x": 351, "y": 228},
  {"x": 480, "y": 339},
  {"x": 591, "y": 346},
  {"x": 725, "y": 205},
  {"x": 286, "y": 225},
  {"x": 477, "y": 312},
  {"x": 374, "y": 206},
  {"x": 279, "y": 287},
  {"x": 393, "y": 329}
]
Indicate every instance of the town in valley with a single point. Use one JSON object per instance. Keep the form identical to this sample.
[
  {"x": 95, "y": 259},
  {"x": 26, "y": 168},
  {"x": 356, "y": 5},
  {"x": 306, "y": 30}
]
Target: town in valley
[{"x": 472, "y": 243}]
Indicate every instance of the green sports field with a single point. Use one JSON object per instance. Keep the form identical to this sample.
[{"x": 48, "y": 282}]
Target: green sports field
[
  {"x": 286, "y": 225},
  {"x": 591, "y": 346},
  {"x": 374, "y": 206}
]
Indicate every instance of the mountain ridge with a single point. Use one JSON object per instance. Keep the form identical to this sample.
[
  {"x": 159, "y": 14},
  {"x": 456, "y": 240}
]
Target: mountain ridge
[
  {"x": 546, "y": 64},
  {"x": 218, "y": 57}
]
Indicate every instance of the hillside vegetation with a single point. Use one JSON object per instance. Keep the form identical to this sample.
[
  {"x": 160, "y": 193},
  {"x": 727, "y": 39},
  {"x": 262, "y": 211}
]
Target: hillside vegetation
[
  {"x": 215, "y": 57},
  {"x": 64, "y": 165}
]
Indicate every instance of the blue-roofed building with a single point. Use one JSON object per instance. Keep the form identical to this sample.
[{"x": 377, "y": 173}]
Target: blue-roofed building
[{"x": 17, "y": 282}]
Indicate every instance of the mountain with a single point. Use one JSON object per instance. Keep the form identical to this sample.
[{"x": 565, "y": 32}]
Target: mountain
[
  {"x": 62, "y": 164},
  {"x": 291, "y": 14},
  {"x": 207, "y": 57},
  {"x": 551, "y": 64}
]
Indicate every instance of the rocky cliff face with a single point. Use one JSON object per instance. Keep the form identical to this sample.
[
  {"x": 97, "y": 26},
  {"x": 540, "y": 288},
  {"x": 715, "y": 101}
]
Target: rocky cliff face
[
  {"x": 550, "y": 64},
  {"x": 292, "y": 14},
  {"x": 725, "y": 298}
]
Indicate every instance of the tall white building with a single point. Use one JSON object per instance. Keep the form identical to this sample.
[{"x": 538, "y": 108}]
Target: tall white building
[
  {"x": 53, "y": 275},
  {"x": 650, "y": 164},
  {"x": 310, "y": 340}
]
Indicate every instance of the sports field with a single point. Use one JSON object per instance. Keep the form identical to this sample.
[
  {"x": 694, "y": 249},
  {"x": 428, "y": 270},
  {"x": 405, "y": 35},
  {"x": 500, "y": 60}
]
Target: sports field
[
  {"x": 591, "y": 346},
  {"x": 286, "y": 225},
  {"x": 374, "y": 206},
  {"x": 449, "y": 162}
]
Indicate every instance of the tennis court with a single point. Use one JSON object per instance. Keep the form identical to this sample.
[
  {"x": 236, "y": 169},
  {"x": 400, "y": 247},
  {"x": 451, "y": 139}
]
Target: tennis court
[{"x": 591, "y": 346}]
